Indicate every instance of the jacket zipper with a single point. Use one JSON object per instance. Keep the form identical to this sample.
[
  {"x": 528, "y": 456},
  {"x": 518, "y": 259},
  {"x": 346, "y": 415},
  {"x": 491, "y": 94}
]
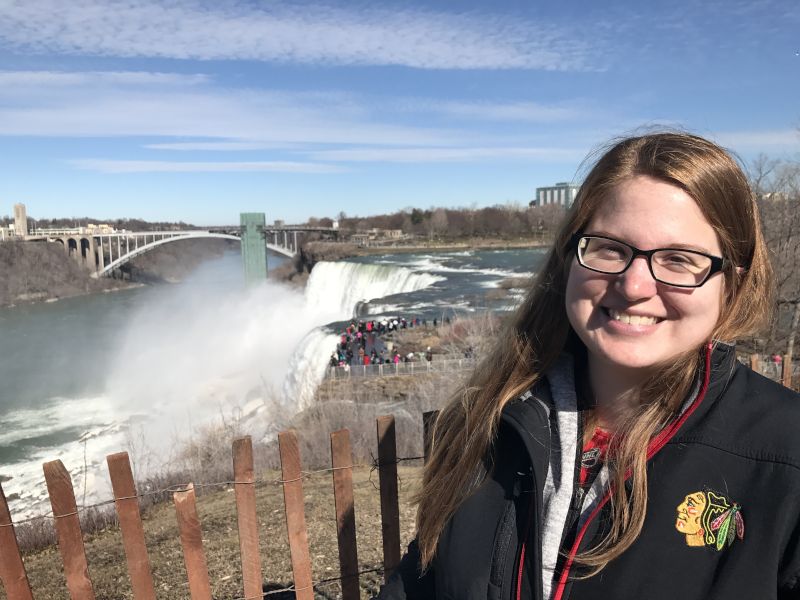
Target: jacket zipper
[{"x": 658, "y": 442}]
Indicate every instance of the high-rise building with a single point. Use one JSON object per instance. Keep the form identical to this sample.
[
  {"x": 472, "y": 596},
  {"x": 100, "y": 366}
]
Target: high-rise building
[
  {"x": 562, "y": 194},
  {"x": 20, "y": 220}
]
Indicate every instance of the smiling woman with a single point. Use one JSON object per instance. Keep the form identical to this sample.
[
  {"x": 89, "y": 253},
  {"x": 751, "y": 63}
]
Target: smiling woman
[
  {"x": 625, "y": 317},
  {"x": 612, "y": 429}
]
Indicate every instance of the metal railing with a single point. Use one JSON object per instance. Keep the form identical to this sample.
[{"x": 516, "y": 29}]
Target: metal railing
[{"x": 401, "y": 368}]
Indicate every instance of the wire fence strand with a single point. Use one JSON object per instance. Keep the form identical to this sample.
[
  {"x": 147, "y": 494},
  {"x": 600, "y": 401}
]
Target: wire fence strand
[{"x": 180, "y": 487}]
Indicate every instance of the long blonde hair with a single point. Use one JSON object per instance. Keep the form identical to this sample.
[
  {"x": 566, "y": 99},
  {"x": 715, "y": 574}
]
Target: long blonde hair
[{"x": 539, "y": 332}]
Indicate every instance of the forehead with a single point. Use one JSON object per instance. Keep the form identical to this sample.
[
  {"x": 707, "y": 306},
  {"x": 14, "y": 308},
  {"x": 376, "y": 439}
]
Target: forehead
[{"x": 650, "y": 213}]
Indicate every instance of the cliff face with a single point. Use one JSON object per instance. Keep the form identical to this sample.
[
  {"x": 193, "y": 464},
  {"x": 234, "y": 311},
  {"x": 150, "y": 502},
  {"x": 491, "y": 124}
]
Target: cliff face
[
  {"x": 31, "y": 271},
  {"x": 314, "y": 252}
]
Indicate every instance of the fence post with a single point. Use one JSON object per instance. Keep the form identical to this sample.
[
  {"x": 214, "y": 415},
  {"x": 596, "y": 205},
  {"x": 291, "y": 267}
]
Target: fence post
[
  {"x": 130, "y": 523},
  {"x": 192, "y": 542},
  {"x": 244, "y": 486},
  {"x": 390, "y": 510},
  {"x": 428, "y": 423},
  {"x": 786, "y": 376},
  {"x": 755, "y": 363},
  {"x": 342, "y": 463},
  {"x": 68, "y": 530},
  {"x": 12, "y": 569},
  {"x": 295, "y": 514}
]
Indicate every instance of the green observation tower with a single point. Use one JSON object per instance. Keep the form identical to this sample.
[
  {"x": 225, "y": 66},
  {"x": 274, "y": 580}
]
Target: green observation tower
[{"x": 254, "y": 247}]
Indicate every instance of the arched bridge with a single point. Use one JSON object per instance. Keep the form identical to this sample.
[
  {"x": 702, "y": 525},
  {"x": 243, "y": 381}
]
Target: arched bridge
[{"x": 103, "y": 253}]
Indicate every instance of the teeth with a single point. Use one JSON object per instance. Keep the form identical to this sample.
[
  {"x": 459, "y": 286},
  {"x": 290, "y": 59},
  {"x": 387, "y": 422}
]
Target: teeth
[{"x": 631, "y": 319}]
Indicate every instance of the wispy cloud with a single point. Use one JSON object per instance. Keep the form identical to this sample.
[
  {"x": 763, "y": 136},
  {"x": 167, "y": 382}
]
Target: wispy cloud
[
  {"x": 422, "y": 155},
  {"x": 78, "y": 78},
  {"x": 291, "y": 33},
  {"x": 215, "y": 146},
  {"x": 511, "y": 111},
  {"x": 98, "y": 105},
  {"x": 156, "y": 166}
]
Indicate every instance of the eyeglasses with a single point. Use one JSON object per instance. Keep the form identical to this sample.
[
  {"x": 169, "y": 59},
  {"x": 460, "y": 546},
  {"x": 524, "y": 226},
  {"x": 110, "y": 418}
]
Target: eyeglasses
[{"x": 671, "y": 266}]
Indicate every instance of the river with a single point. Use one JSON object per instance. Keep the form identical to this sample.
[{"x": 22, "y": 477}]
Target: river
[{"x": 87, "y": 376}]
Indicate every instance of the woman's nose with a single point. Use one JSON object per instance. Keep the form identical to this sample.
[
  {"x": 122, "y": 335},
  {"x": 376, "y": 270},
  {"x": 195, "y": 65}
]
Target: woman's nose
[{"x": 637, "y": 282}]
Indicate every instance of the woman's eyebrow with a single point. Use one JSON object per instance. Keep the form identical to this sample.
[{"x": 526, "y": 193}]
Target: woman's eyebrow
[{"x": 675, "y": 246}]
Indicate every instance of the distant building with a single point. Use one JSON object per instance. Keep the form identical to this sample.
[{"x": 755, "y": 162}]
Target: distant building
[
  {"x": 6, "y": 232},
  {"x": 99, "y": 229},
  {"x": 360, "y": 239},
  {"x": 59, "y": 231},
  {"x": 774, "y": 197},
  {"x": 376, "y": 236},
  {"x": 562, "y": 194},
  {"x": 20, "y": 220}
]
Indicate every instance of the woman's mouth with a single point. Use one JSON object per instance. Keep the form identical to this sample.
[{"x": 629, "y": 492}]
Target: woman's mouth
[{"x": 630, "y": 319}]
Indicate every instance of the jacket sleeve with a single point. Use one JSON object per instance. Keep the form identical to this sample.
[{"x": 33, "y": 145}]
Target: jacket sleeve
[{"x": 406, "y": 583}]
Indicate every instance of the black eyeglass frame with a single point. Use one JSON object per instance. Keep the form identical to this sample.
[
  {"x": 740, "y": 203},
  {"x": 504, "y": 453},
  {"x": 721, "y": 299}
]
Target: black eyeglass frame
[{"x": 717, "y": 263}]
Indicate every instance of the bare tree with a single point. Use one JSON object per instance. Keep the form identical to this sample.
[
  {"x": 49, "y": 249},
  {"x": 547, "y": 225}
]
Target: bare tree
[
  {"x": 437, "y": 223},
  {"x": 544, "y": 220},
  {"x": 777, "y": 185}
]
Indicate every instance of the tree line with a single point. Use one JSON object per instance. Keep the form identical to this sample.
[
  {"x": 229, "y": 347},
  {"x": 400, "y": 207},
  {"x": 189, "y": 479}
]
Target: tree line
[{"x": 510, "y": 220}]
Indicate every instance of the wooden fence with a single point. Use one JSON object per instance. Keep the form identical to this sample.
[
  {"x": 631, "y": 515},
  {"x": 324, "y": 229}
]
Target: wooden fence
[
  {"x": 126, "y": 500},
  {"x": 782, "y": 371}
]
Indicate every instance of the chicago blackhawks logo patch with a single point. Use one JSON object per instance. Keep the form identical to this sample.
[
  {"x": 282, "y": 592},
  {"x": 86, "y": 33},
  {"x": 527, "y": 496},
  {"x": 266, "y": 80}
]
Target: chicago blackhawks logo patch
[{"x": 709, "y": 519}]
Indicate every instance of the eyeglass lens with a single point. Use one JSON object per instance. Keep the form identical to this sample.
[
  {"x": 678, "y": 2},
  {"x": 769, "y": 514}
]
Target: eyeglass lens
[{"x": 672, "y": 266}]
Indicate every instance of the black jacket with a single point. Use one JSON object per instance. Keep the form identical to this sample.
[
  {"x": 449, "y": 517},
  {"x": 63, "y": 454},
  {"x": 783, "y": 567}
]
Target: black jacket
[{"x": 735, "y": 449}]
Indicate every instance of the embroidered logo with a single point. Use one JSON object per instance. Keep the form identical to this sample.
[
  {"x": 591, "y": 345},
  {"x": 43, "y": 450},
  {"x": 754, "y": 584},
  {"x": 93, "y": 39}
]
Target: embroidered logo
[
  {"x": 709, "y": 519},
  {"x": 590, "y": 458}
]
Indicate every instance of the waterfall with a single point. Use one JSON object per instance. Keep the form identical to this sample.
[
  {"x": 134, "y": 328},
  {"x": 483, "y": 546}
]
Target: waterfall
[
  {"x": 333, "y": 292},
  {"x": 341, "y": 286}
]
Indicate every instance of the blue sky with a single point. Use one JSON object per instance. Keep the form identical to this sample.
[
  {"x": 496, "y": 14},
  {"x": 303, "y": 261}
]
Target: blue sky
[{"x": 197, "y": 111}]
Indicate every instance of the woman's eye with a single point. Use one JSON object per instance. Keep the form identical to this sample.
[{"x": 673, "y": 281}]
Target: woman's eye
[
  {"x": 679, "y": 260},
  {"x": 610, "y": 251}
]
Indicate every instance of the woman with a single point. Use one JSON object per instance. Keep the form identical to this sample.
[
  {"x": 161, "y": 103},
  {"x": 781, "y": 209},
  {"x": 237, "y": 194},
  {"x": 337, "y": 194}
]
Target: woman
[{"x": 612, "y": 446}]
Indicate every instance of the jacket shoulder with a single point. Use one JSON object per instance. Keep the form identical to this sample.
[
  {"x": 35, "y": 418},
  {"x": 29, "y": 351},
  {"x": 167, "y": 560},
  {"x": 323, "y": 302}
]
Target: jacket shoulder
[
  {"x": 754, "y": 417},
  {"x": 765, "y": 394}
]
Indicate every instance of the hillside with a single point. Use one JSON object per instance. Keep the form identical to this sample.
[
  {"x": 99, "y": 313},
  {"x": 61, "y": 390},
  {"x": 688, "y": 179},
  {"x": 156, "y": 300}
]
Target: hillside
[{"x": 34, "y": 272}]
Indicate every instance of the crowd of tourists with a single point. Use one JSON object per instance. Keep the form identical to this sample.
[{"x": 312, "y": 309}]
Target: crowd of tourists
[{"x": 363, "y": 342}]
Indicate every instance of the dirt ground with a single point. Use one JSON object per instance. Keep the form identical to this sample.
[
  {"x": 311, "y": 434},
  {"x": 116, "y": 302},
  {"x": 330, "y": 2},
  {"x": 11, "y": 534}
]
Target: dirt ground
[{"x": 108, "y": 571}]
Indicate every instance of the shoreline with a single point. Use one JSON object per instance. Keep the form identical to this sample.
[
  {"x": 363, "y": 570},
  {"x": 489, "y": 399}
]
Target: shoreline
[
  {"x": 44, "y": 298},
  {"x": 481, "y": 245}
]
